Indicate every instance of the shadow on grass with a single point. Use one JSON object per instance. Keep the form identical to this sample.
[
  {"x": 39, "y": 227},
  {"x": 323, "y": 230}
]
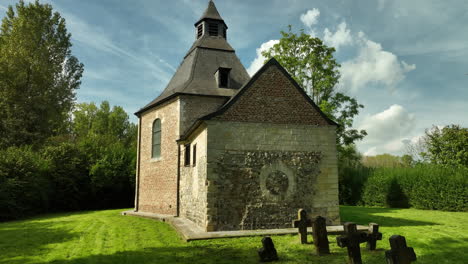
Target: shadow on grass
[
  {"x": 194, "y": 255},
  {"x": 164, "y": 255},
  {"x": 441, "y": 250},
  {"x": 364, "y": 215},
  {"x": 47, "y": 216},
  {"x": 30, "y": 238}
]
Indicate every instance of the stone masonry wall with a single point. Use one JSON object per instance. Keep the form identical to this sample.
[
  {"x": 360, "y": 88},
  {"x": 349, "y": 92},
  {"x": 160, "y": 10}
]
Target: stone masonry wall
[
  {"x": 158, "y": 177},
  {"x": 260, "y": 174},
  {"x": 193, "y": 191}
]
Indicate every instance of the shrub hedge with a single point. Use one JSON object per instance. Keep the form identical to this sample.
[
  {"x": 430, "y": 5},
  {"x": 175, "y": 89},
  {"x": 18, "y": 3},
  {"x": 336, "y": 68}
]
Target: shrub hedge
[
  {"x": 424, "y": 187},
  {"x": 63, "y": 177}
]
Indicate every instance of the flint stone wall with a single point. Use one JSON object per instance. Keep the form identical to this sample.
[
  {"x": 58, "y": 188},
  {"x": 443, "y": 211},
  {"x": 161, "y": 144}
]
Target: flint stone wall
[{"x": 259, "y": 175}]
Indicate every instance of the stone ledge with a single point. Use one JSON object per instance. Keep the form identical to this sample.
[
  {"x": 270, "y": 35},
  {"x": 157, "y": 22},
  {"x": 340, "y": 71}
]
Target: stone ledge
[{"x": 189, "y": 231}]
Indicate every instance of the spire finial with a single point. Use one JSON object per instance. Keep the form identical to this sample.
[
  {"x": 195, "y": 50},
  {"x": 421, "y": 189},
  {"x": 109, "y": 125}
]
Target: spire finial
[{"x": 211, "y": 12}]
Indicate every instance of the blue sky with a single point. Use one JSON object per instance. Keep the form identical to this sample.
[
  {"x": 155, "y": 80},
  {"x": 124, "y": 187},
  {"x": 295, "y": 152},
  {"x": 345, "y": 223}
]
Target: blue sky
[{"x": 406, "y": 61}]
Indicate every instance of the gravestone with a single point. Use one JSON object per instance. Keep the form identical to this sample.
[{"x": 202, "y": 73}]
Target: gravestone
[
  {"x": 351, "y": 240},
  {"x": 319, "y": 232},
  {"x": 372, "y": 236},
  {"x": 399, "y": 252},
  {"x": 302, "y": 223},
  {"x": 268, "y": 252}
]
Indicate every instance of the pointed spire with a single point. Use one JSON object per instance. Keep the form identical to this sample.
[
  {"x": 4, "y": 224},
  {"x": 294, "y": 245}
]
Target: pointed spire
[{"x": 211, "y": 12}]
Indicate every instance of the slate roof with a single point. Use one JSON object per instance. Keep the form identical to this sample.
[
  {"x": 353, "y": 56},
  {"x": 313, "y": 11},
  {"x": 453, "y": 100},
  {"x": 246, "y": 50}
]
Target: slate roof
[{"x": 196, "y": 73}]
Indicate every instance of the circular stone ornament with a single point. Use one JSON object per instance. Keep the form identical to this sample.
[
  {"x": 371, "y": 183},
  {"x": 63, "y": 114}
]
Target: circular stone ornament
[{"x": 277, "y": 182}]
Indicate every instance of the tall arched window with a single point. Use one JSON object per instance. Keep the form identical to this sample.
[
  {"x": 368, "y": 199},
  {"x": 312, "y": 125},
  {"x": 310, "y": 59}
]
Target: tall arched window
[{"x": 156, "y": 150}]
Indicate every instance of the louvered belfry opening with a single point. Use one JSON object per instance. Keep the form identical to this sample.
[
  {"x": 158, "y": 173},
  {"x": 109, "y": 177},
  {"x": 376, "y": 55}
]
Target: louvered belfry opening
[
  {"x": 213, "y": 29},
  {"x": 211, "y": 24},
  {"x": 199, "y": 31}
]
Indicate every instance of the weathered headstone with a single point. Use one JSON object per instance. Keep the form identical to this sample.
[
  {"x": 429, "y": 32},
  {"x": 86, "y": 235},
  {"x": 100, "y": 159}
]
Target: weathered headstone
[
  {"x": 351, "y": 240},
  {"x": 399, "y": 252},
  {"x": 372, "y": 236},
  {"x": 319, "y": 232},
  {"x": 302, "y": 223},
  {"x": 268, "y": 252}
]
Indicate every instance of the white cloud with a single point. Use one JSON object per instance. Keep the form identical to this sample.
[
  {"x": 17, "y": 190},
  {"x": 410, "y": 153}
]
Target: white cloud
[
  {"x": 311, "y": 17},
  {"x": 407, "y": 67},
  {"x": 387, "y": 131},
  {"x": 373, "y": 65},
  {"x": 3, "y": 7},
  {"x": 341, "y": 37},
  {"x": 257, "y": 63}
]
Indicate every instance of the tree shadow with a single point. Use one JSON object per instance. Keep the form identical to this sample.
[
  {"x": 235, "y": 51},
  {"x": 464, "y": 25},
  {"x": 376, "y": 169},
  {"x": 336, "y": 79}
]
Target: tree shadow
[
  {"x": 200, "y": 254},
  {"x": 47, "y": 216},
  {"x": 30, "y": 238},
  {"x": 441, "y": 250},
  {"x": 364, "y": 215}
]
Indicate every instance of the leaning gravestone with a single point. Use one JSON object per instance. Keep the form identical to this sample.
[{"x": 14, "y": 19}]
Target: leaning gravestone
[
  {"x": 399, "y": 252},
  {"x": 319, "y": 232},
  {"x": 302, "y": 223},
  {"x": 351, "y": 240},
  {"x": 373, "y": 235},
  {"x": 268, "y": 252}
]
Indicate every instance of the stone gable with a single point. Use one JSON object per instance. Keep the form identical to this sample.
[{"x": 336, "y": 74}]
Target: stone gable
[{"x": 272, "y": 97}]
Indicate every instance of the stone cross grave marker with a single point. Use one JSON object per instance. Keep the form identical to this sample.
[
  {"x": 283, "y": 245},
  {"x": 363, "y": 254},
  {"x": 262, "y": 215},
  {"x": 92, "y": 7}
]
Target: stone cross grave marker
[
  {"x": 268, "y": 252},
  {"x": 319, "y": 232},
  {"x": 372, "y": 236},
  {"x": 399, "y": 252},
  {"x": 302, "y": 223},
  {"x": 351, "y": 240}
]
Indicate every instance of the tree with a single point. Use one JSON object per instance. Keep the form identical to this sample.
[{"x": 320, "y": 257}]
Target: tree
[
  {"x": 109, "y": 141},
  {"x": 38, "y": 74},
  {"x": 447, "y": 146},
  {"x": 311, "y": 64}
]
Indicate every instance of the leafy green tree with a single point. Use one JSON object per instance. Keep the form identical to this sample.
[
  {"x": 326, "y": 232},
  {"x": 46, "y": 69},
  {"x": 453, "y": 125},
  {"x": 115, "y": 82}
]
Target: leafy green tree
[
  {"x": 447, "y": 146},
  {"x": 311, "y": 63},
  {"x": 68, "y": 177},
  {"x": 407, "y": 161},
  {"x": 38, "y": 74},
  {"x": 109, "y": 140},
  {"x": 24, "y": 186}
]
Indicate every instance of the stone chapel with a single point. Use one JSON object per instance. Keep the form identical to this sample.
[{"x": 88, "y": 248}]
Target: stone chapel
[{"x": 233, "y": 152}]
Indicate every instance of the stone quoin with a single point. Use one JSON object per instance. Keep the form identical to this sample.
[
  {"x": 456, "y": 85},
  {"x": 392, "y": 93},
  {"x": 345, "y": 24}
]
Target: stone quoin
[{"x": 233, "y": 152}]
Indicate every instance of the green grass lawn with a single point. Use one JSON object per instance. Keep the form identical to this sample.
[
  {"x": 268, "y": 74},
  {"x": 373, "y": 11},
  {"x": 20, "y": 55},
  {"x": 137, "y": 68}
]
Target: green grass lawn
[{"x": 108, "y": 237}]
